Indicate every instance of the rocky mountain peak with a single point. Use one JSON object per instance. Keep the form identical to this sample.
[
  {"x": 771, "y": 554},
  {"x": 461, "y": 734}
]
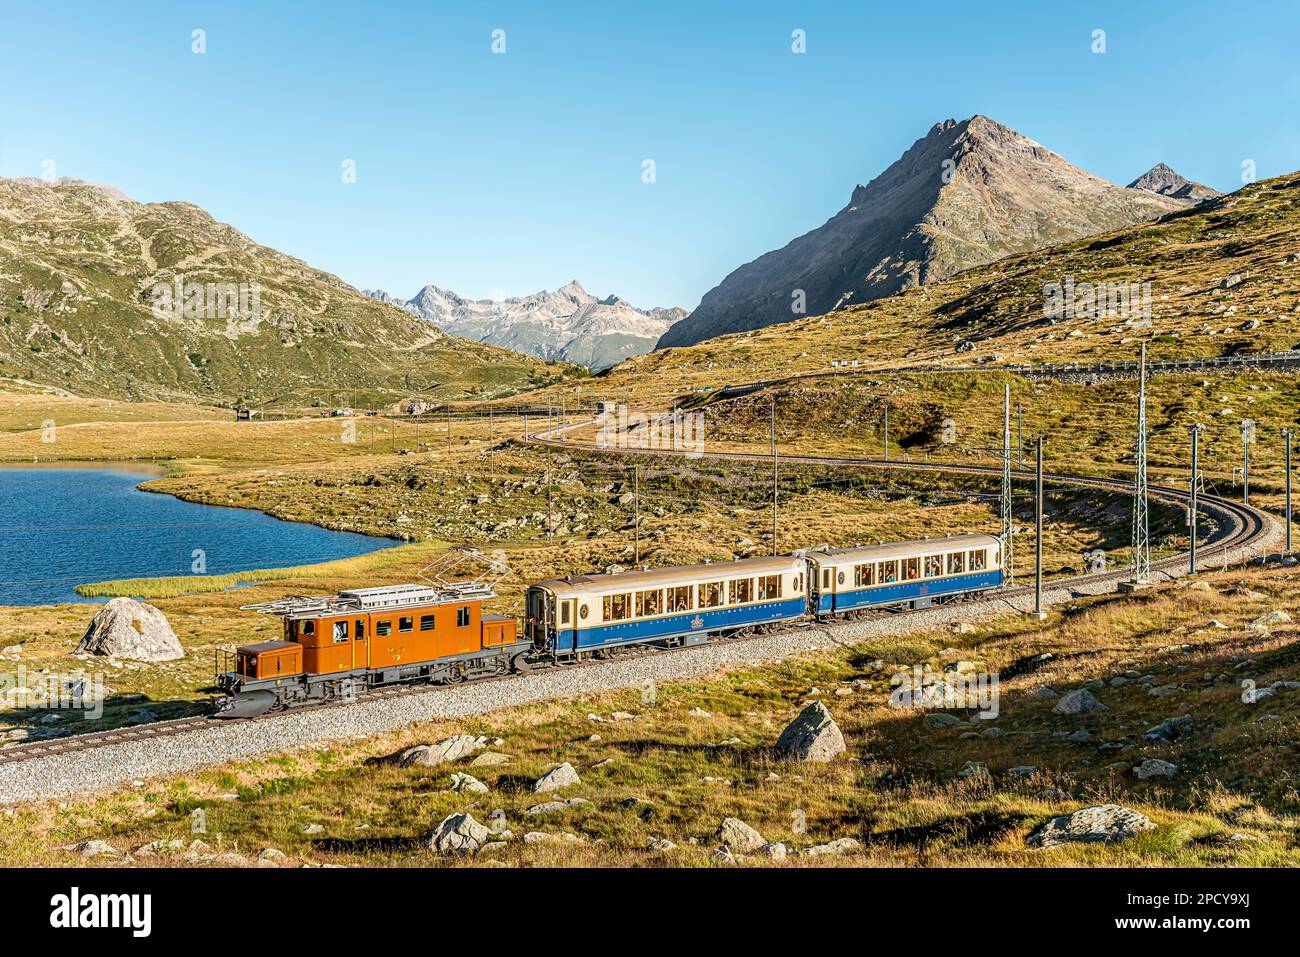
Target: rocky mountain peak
[{"x": 1164, "y": 180}]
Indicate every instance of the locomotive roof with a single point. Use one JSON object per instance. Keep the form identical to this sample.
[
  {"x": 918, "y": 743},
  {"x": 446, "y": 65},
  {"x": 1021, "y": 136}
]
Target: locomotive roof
[
  {"x": 673, "y": 575},
  {"x": 381, "y": 598},
  {"x": 888, "y": 550}
]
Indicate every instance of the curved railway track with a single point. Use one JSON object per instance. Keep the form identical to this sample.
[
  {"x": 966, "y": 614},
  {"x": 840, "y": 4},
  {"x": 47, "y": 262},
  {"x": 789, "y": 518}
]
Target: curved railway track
[{"x": 1237, "y": 527}]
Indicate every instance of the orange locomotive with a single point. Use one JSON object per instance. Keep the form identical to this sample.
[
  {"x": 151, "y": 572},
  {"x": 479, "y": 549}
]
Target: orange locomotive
[{"x": 338, "y": 646}]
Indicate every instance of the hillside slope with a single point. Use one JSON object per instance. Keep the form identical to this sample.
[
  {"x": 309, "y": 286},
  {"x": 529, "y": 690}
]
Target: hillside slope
[
  {"x": 966, "y": 194},
  {"x": 87, "y": 304}
]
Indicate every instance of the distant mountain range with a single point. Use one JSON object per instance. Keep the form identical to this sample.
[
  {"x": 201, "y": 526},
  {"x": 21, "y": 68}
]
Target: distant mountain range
[
  {"x": 965, "y": 194},
  {"x": 568, "y": 324},
  {"x": 88, "y": 304}
]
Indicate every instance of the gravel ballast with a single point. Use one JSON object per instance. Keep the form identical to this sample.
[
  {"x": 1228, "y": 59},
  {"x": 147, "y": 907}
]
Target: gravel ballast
[{"x": 83, "y": 772}]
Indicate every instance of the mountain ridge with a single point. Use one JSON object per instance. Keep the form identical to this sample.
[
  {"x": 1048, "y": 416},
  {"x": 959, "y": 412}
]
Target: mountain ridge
[
  {"x": 965, "y": 194},
  {"x": 567, "y": 323}
]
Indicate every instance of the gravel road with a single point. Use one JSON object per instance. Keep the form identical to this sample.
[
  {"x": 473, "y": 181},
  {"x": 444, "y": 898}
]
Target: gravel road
[{"x": 85, "y": 772}]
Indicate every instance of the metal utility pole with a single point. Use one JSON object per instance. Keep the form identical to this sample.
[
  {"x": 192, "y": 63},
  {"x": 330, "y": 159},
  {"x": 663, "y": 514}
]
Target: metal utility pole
[
  {"x": 636, "y": 520},
  {"x": 886, "y": 432},
  {"x": 1007, "y": 564},
  {"x": 1247, "y": 437},
  {"x": 1141, "y": 519},
  {"x": 449, "y": 430},
  {"x": 774, "y": 476},
  {"x": 1038, "y": 533},
  {"x": 1287, "y": 433},
  {"x": 1194, "y": 490},
  {"x": 1020, "y": 437}
]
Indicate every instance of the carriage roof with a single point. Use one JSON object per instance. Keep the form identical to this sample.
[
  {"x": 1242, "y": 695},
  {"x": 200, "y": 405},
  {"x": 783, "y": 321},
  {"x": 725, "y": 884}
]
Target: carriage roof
[
  {"x": 675, "y": 575},
  {"x": 913, "y": 549}
]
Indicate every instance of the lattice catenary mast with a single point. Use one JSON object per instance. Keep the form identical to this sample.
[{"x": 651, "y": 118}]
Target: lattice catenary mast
[
  {"x": 1006, "y": 484},
  {"x": 1141, "y": 521}
]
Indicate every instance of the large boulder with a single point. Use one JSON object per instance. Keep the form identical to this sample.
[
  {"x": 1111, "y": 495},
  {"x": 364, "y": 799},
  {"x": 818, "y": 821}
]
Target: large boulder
[
  {"x": 459, "y": 834},
  {"x": 443, "y": 752},
  {"x": 812, "y": 736},
  {"x": 1078, "y": 702},
  {"x": 126, "y": 628},
  {"x": 737, "y": 836},
  {"x": 1100, "y": 824},
  {"x": 556, "y": 778}
]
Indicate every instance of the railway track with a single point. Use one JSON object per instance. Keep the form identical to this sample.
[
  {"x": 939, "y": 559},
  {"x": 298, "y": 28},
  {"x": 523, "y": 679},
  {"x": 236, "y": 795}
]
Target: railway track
[{"x": 1237, "y": 527}]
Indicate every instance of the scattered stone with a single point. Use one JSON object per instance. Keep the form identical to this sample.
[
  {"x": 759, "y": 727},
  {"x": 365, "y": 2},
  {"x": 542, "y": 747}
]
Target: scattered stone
[
  {"x": 1080, "y": 701},
  {"x": 843, "y": 845},
  {"x": 661, "y": 846},
  {"x": 1023, "y": 770},
  {"x": 775, "y": 851},
  {"x": 126, "y": 628},
  {"x": 1275, "y": 617},
  {"x": 940, "y": 719},
  {"x": 313, "y": 829},
  {"x": 553, "y": 780},
  {"x": 738, "y": 836},
  {"x": 542, "y": 837},
  {"x": 550, "y": 807},
  {"x": 467, "y": 783},
  {"x": 812, "y": 736},
  {"x": 1100, "y": 824},
  {"x": 270, "y": 854},
  {"x": 722, "y": 855},
  {"x": 92, "y": 848},
  {"x": 1154, "y": 767},
  {"x": 974, "y": 769},
  {"x": 1170, "y": 730},
  {"x": 443, "y": 752},
  {"x": 459, "y": 834},
  {"x": 489, "y": 759},
  {"x": 1043, "y": 691},
  {"x": 698, "y": 713}
]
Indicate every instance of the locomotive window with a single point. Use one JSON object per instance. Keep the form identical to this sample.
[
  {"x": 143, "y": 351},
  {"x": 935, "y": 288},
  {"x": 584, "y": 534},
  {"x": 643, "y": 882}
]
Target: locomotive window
[
  {"x": 340, "y": 631},
  {"x": 617, "y": 607},
  {"x": 309, "y": 627},
  {"x": 462, "y": 616},
  {"x": 427, "y": 622},
  {"x": 911, "y": 568},
  {"x": 978, "y": 559},
  {"x": 711, "y": 594},
  {"x": 361, "y": 630},
  {"x": 864, "y": 574},
  {"x": 769, "y": 587},
  {"x": 649, "y": 603},
  {"x": 679, "y": 599},
  {"x": 383, "y": 628},
  {"x": 742, "y": 590},
  {"x": 956, "y": 563},
  {"x": 933, "y": 566},
  {"x": 406, "y": 624}
]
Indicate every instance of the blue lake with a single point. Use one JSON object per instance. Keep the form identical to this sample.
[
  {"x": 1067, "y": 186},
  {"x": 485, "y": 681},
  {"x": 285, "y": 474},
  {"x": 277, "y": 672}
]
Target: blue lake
[{"x": 62, "y": 527}]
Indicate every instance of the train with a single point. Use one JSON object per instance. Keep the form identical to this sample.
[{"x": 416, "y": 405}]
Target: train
[{"x": 337, "y": 647}]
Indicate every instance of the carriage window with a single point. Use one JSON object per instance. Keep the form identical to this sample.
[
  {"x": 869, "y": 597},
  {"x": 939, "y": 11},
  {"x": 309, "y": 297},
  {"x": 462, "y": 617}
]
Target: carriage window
[
  {"x": 769, "y": 587},
  {"x": 426, "y": 622},
  {"x": 679, "y": 599},
  {"x": 956, "y": 563},
  {"x": 617, "y": 607},
  {"x": 978, "y": 560},
  {"x": 564, "y": 613},
  {"x": 933, "y": 566},
  {"x": 889, "y": 571},
  {"x": 864, "y": 574},
  {"x": 383, "y": 628},
  {"x": 911, "y": 569},
  {"x": 462, "y": 616},
  {"x": 742, "y": 590},
  {"x": 826, "y": 578},
  {"x": 711, "y": 594},
  {"x": 340, "y": 631},
  {"x": 649, "y": 603},
  {"x": 406, "y": 624}
]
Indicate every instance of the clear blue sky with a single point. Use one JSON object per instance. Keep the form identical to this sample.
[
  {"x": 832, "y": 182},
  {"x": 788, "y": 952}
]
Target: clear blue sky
[{"x": 508, "y": 173}]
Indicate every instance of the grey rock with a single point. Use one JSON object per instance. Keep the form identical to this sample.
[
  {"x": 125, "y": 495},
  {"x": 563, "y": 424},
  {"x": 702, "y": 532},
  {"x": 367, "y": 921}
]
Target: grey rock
[
  {"x": 1080, "y": 701},
  {"x": 467, "y": 783},
  {"x": 941, "y": 719},
  {"x": 735, "y": 834},
  {"x": 443, "y": 752},
  {"x": 1170, "y": 730},
  {"x": 126, "y": 628},
  {"x": 459, "y": 834},
  {"x": 843, "y": 845},
  {"x": 775, "y": 851},
  {"x": 1154, "y": 767},
  {"x": 1102, "y": 823},
  {"x": 812, "y": 736},
  {"x": 561, "y": 777}
]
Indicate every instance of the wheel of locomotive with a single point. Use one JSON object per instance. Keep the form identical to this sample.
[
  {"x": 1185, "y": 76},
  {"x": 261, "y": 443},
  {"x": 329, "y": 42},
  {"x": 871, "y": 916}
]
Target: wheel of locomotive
[{"x": 455, "y": 674}]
